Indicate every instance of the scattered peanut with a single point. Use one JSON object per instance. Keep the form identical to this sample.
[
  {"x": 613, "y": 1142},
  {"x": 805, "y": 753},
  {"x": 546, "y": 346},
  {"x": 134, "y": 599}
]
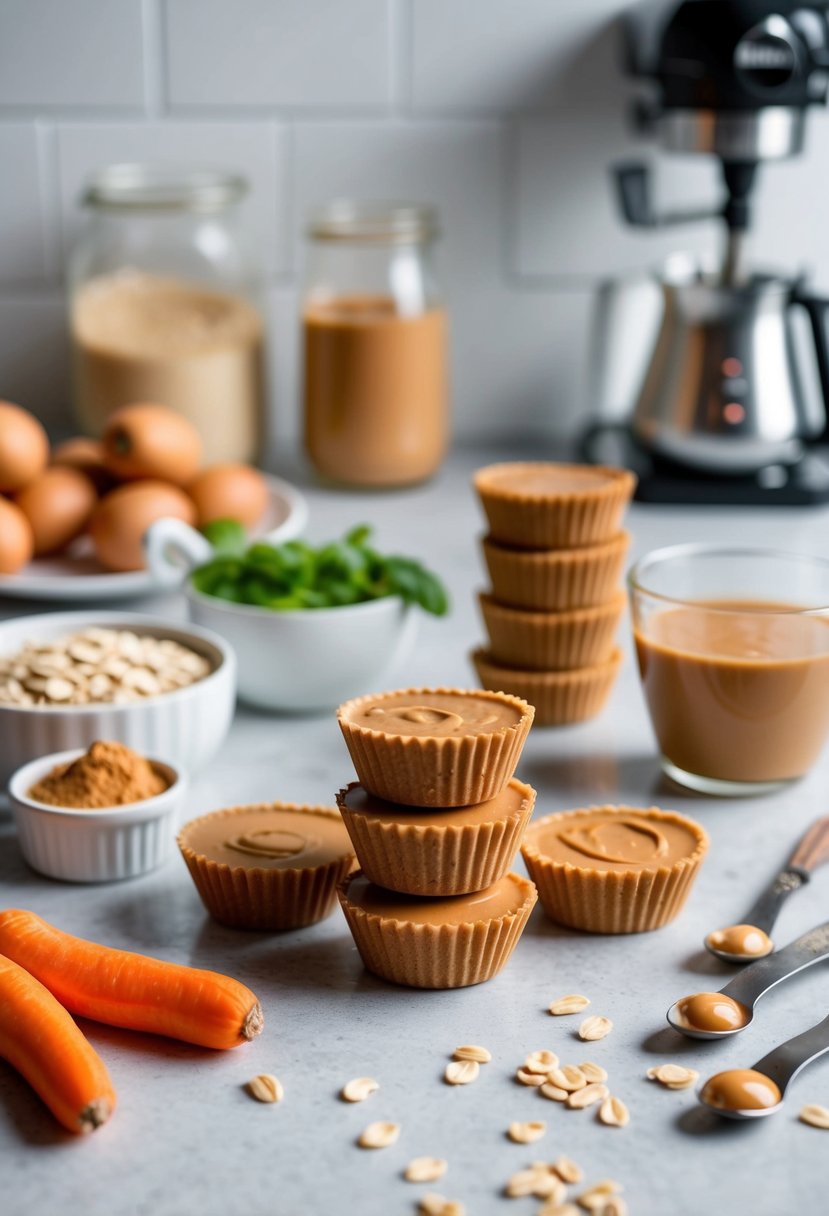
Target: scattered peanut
[
  {"x": 425, "y": 1169},
  {"x": 359, "y": 1089},
  {"x": 593, "y": 1072},
  {"x": 436, "y": 1205},
  {"x": 554, "y": 1092},
  {"x": 265, "y": 1088},
  {"x": 461, "y": 1072},
  {"x": 526, "y": 1133},
  {"x": 379, "y": 1135},
  {"x": 574, "y": 1003},
  {"x": 673, "y": 1076},
  {"x": 592, "y": 1093},
  {"x": 567, "y": 1170},
  {"x": 479, "y": 1055},
  {"x": 595, "y": 1027},
  {"x": 614, "y": 1113},
  {"x": 541, "y": 1061},
  {"x": 569, "y": 1077},
  {"x": 530, "y": 1078},
  {"x": 814, "y": 1115}
]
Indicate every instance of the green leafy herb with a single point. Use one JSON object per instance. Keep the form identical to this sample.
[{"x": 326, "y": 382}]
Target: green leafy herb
[{"x": 296, "y": 576}]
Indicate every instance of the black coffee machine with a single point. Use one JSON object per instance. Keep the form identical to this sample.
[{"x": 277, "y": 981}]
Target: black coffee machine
[{"x": 721, "y": 415}]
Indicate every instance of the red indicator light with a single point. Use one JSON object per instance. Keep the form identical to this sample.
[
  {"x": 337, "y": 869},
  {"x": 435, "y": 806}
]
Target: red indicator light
[
  {"x": 732, "y": 367},
  {"x": 733, "y": 413}
]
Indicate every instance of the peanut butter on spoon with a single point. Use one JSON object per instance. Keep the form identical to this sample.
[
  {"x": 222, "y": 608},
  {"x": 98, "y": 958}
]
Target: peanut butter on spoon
[
  {"x": 741, "y": 941},
  {"x": 741, "y": 1089},
  {"x": 712, "y": 1012}
]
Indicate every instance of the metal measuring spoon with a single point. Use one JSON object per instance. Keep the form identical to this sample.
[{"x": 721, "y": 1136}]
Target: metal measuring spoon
[
  {"x": 811, "y": 851},
  {"x": 747, "y": 987},
  {"x": 780, "y": 1066}
]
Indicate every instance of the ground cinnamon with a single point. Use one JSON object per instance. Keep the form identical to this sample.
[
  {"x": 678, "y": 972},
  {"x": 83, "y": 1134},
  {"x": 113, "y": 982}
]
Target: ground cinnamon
[{"x": 109, "y": 774}]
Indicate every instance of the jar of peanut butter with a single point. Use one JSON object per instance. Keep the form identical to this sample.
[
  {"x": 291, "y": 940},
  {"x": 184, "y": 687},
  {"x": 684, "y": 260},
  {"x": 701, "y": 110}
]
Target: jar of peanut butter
[
  {"x": 165, "y": 306},
  {"x": 375, "y": 346}
]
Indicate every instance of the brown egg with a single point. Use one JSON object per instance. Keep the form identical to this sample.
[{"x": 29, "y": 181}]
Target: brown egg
[
  {"x": 88, "y": 456},
  {"x": 24, "y": 448},
  {"x": 124, "y": 515},
  {"x": 151, "y": 441},
  {"x": 229, "y": 491},
  {"x": 17, "y": 544},
  {"x": 58, "y": 505}
]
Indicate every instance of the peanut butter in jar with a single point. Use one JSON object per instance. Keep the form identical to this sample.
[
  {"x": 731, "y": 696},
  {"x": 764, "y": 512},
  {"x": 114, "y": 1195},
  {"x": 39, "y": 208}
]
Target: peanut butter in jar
[{"x": 375, "y": 339}]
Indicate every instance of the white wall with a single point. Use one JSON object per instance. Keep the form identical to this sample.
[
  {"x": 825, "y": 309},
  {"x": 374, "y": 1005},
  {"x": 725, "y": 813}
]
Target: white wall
[{"x": 505, "y": 113}]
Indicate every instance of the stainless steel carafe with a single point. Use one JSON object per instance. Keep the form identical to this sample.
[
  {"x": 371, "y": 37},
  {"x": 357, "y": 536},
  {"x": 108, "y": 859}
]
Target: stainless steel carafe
[{"x": 723, "y": 392}]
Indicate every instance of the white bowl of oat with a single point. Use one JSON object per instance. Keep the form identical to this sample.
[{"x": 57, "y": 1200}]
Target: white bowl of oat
[{"x": 169, "y": 690}]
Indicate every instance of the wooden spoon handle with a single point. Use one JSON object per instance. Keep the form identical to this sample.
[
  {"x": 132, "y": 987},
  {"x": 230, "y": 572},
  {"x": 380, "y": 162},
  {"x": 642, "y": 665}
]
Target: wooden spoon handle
[{"x": 813, "y": 849}]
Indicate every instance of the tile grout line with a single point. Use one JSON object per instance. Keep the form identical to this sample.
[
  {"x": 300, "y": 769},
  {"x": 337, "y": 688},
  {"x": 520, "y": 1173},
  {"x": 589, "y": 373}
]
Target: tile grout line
[{"x": 49, "y": 197}]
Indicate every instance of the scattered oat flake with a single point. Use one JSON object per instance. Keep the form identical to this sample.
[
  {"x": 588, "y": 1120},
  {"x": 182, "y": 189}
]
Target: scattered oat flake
[
  {"x": 673, "y": 1076},
  {"x": 574, "y": 1003},
  {"x": 614, "y": 1113},
  {"x": 595, "y": 1027},
  {"x": 554, "y": 1092},
  {"x": 359, "y": 1089},
  {"x": 569, "y": 1077},
  {"x": 379, "y": 1135},
  {"x": 568, "y": 1170},
  {"x": 479, "y": 1055},
  {"x": 814, "y": 1115},
  {"x": 425, "y": 1169},
  {"x": 589, "y": 1096},
  {"x": 541, "y": 1061},
  {"x": 527, "y": 1133},
  {"x": 530, "y": 1078},
  {"x": 461, "y": 1072},
  {"x": 265, "y": 1088}
]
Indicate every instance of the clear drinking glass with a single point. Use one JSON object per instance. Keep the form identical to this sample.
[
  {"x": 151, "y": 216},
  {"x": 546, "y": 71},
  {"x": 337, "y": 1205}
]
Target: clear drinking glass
[{"x": 733, "y": 650}]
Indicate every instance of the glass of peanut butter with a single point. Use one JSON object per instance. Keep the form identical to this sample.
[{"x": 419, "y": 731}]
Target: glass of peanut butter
[
  {"x": 733, "y": 650},
  {"x": 165, "y": 305},
  {"x": 375, "y": 338}
]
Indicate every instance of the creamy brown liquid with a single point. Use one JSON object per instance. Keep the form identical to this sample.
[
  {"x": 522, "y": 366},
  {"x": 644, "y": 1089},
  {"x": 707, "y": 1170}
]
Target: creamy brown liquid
[
  {"x": 741, "y": 939},
  {"x": 435, "y": 714},
  {"x": 711, "y": 1011},
  {"x": 608, "y": 840},
  {"x": 269, "y": 838},
  {"x": 741, "y": 1089},
  {"x": 139, "y": 337},
  {"x": 376, "y": 410},
  {"x": 512, "y": 798},
  {"x": 507, "y": 895},
  {"x": 738, "y": 694}
]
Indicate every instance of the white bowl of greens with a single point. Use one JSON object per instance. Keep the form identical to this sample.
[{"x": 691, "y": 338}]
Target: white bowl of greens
[{"x": 311, "y": 626}]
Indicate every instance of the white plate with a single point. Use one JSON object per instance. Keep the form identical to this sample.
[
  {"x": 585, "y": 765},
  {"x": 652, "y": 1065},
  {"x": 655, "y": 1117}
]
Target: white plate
[{"x": 76, "y": 575}]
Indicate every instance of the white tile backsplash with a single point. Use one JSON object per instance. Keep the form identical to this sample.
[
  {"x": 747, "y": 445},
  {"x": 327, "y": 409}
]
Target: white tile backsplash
[
  {"x": 73, "y": 53},
  {"x": 22, "y": 235},
  {"x": 257, "y": 150},
  {"x": 503, "y": 56},
  {"x": 305, "y": 54},
  {"x": 506, "y": 114}
]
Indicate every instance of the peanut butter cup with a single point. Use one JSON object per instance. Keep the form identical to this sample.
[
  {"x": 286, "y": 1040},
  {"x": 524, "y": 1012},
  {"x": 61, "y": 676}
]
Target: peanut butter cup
[
  {"x": 542, "y": 505},
  {"x": 551, "y": 641},
  {"x": 559, "y": 697},
  {"x": 555, "y": 580},
  {"x": 441, "y": 747},
  {"x": 614, "y": 869},
  {"x": 436, "y": 943},
  {"x": 267, "y": 866},
  {"x": 436, "y": 852}
]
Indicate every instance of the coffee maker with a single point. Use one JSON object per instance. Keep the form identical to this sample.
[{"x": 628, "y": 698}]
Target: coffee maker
[{"x": 721, "y": 414}]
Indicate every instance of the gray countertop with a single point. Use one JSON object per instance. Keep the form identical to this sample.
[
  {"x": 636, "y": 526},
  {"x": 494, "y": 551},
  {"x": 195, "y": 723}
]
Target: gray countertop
[{"x": 187, "y": 1139}]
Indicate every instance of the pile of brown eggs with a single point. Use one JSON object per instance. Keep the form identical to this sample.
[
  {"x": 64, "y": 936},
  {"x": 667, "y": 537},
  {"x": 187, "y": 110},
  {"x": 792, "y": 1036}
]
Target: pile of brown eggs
[{"x": 146, "y": 465}]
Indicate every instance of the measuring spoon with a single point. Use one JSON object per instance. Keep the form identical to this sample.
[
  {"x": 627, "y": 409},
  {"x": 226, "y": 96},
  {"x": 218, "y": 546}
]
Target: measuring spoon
[
  {"x": 811, "y": 851},
  {"x": 747, "y": 987},
  {"x": 780, "y": 1066}
]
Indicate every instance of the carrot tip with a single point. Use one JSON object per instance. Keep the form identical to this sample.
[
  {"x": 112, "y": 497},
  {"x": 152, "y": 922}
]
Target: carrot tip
[
  {"x": 254, "y": 1022},
  {"x": 94, "y": 1114}
]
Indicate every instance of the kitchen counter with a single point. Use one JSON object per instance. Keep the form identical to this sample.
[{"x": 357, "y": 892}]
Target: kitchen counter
[{"x": 187, "y": 1139}]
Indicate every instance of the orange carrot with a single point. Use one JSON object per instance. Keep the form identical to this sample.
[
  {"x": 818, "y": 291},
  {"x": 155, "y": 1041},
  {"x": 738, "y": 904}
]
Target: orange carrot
[
  {"x": 40, "y": 1040},
  {"x": 131, "y": 990}
]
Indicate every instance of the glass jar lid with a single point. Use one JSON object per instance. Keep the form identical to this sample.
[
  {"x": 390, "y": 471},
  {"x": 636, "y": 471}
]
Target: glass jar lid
[
  {"x": 375, "y": 223},
  {"x": 160, "y": 187}
]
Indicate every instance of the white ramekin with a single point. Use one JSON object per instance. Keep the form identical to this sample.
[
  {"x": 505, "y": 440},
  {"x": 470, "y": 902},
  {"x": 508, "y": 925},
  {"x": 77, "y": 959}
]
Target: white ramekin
[
  {"x": 186, "y": 727},
  {"x": 93, "y": 845}
]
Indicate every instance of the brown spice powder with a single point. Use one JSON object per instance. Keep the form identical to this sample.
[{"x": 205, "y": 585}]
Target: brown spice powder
[{"x": 110, "y": 774}]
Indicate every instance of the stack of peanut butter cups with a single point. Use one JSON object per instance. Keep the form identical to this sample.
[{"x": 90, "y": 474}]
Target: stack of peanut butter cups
[
  {"x": 436, "y": 818},
  {"x": 554, "y": 552}
]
